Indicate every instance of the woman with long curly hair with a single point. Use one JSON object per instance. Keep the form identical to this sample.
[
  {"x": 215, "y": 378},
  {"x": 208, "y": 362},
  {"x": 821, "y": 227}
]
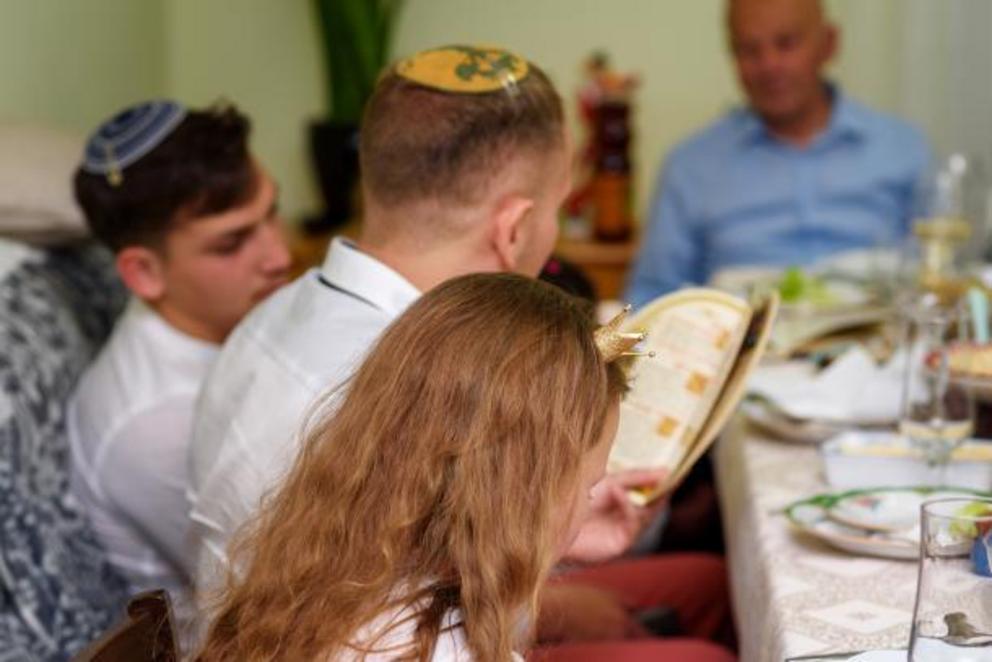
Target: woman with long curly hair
[{"x": 426, "y": 510}]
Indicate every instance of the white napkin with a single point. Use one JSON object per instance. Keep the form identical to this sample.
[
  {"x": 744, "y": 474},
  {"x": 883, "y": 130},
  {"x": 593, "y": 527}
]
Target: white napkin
[
  {"x": 853, "y": 389},
  {"x": 880, "y": 656}
]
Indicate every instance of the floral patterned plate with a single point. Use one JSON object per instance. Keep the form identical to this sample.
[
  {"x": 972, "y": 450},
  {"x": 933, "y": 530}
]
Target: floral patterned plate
[{"x": 815, "y": 517}]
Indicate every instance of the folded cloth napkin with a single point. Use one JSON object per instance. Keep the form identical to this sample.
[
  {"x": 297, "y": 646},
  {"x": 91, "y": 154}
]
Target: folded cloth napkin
[
  {"x": 853, "y": 389},
  {"x": 880, "y": 656}
]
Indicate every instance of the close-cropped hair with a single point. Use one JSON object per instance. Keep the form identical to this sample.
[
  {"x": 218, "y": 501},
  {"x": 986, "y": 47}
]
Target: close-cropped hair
[
  {"x": 419, "y": 143},
  {"x": 203, "y": 167},
  {"x": 436, "y": 485}
]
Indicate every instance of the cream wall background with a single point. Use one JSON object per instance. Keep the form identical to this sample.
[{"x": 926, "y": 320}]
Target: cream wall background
[
  {"x": 263, "y": 55},
  {"x": 67, "y": 62},
  {"x": 71, "y": 62}
]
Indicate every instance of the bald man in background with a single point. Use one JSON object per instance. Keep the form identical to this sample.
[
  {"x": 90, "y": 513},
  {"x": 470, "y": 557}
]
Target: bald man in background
[{"x": 801, "y": 173}]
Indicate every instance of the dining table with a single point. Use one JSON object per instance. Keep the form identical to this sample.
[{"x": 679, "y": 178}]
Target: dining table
[{"x": 794, "y": 595}]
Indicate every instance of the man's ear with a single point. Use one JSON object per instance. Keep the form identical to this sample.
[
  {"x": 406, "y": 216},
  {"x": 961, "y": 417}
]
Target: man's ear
[
  {"x": 831, "y": 37},
  {"x": 142, "y": 271},
  {"x": 511, "y": 233}
]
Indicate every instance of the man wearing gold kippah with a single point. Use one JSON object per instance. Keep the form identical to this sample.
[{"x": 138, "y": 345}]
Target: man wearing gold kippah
[{"x": 465, "y": 161}]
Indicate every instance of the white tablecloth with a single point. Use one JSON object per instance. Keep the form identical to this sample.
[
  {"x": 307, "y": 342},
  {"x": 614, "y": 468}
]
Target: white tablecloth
[{"x": 792, "y": 594}]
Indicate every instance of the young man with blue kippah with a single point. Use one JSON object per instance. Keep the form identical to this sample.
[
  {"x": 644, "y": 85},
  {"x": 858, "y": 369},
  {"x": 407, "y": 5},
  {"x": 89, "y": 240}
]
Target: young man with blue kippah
[
  {"x": 465, "y": 161},
  {"x": 193, "y": 222}
]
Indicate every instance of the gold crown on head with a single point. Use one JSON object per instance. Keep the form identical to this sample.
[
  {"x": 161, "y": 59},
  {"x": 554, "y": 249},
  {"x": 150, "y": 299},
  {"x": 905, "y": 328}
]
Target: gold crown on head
[{"x": 614, "y": 343}]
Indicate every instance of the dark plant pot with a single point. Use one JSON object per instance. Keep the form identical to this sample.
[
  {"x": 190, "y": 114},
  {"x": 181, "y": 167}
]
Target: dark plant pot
[{"x": 334, "y": 148}]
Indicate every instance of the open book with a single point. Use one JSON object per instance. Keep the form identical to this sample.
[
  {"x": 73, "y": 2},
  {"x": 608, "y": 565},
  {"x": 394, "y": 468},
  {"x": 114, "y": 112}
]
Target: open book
[{"x": 706, "y": 343}]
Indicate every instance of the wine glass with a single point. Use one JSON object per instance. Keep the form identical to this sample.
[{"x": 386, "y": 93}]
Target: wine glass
[
  {"x": 952, "y": 617},
  {"x": 938, "y": 408}
]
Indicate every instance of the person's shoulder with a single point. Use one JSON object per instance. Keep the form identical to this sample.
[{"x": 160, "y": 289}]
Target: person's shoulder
[
  {"x": 251, "y": 359},
  {"x": 119, "y": 436},
  {"x": 117, "y": 381},
  {"x": 306, "y": 305},
  {"x": 267, "y": 323},
  {"x": 302, "y": 340},
  {"x": 163, "y": 422},
  {"x": 307, "y": 328},
  {"x": 271, "y": 309},
  {"x": 885, "y": 126},
  {"x": 711, "y": 141}
]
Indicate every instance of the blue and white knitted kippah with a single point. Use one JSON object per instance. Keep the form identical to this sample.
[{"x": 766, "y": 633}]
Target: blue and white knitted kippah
[{"x": 129, "y": 135}]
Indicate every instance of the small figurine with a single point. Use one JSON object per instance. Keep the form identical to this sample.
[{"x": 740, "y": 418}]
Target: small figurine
[{"x": 604, "y": 168}]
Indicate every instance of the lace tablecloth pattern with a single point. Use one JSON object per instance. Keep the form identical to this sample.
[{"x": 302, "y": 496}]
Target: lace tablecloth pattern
[{"x": 794, "y": 595}]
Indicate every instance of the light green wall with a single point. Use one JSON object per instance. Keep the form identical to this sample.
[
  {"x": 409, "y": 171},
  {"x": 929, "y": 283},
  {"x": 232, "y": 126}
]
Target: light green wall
[
  {"x": 262, "y": 55},
  {"x": 71, "y": 62},
  {"x": 870, "y": 63}
]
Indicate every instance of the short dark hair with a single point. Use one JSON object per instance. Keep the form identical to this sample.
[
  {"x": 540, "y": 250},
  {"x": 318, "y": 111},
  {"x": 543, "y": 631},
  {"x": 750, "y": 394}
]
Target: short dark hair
[
  {"x": 419, "y": 143},
  {"x": 203, "y": 167}
]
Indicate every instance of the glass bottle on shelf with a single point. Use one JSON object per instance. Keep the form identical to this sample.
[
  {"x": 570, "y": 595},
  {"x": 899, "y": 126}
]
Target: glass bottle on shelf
[{"x": 611, "y": 181}]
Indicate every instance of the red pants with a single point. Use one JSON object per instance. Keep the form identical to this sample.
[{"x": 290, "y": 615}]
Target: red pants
[
  {"x": 648, "y": 650},
  {"x": 694, "y": 584}
]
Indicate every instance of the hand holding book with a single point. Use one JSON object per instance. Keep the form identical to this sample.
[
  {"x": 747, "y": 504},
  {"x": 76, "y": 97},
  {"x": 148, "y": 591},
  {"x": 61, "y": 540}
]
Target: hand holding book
[{"x": 614, "y": 522}]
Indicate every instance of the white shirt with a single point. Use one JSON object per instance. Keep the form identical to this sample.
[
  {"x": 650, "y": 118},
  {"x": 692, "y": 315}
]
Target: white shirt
[
  {"x": 307, "y": 337},
  {"x": 400, "y": 631},
  {"x": 129, "y": 424}
]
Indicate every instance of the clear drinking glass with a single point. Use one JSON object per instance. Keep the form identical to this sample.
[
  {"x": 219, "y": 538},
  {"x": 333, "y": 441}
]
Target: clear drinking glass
[
  {"x": 952, "y": 618},
  {"x": 938, "y": 408},
  {"x": 948, "y": 239}
]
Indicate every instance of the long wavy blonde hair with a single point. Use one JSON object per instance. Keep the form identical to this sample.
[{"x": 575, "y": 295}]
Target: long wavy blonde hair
[{"x": 436, "y": 485}]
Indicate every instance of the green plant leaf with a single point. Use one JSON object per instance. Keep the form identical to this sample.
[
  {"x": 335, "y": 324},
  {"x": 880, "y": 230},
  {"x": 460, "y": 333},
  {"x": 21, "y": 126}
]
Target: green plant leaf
[{"x": 355, "y": 36}]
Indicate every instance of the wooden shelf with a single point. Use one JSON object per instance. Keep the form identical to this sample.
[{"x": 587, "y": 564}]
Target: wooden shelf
[{"x": 605, "y": 263}]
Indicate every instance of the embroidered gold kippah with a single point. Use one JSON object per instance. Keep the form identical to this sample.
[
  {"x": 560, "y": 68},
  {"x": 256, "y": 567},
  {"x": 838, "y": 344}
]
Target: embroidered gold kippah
[
  {"x": 613, "y": 343},
  {"x": 465, "y": 69}
]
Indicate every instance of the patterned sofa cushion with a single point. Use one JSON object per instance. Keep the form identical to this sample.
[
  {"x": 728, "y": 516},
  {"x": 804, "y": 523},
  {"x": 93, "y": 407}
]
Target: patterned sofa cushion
[{"x": 57, "y": 592}]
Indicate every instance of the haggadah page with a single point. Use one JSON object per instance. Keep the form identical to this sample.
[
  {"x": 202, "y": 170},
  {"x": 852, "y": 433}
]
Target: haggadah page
[{"x": 695, "y": 335}]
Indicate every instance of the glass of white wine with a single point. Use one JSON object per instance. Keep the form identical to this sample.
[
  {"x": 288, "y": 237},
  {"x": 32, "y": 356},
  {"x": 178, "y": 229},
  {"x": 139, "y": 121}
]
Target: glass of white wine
[{"x": 938, "y": 407}]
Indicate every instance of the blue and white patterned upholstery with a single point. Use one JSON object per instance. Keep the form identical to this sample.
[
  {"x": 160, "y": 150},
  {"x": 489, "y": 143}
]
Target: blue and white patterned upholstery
[{"x": 57, "y": 592}]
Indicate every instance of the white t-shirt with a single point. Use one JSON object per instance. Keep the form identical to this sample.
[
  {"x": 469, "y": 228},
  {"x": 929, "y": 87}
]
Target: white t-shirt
[
  {"x": 304, "y": 339},
  {"x": 129, "y": 424},
  {"x": 450, "y": 647}
]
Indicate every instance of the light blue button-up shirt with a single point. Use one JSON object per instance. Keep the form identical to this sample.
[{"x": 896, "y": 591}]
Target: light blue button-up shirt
[{"x": 734, "y": 195}]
